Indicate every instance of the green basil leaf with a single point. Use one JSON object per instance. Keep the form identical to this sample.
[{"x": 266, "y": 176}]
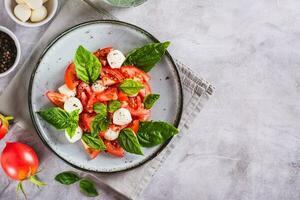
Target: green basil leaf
[
  {"x": 100, "y": 108},
  {"x": 100, "y": 123},
  {"x": 87, "y": 188},
  {"x": 55, "y": 116},
  {"x": 150, "y": 100},
  {"x": 67, "y": 178},
  {"x": 130, "y": 86},
  {"x": 87, "y": 65},
  {"x": 152, "y": 133},
  {"x": 93, "y": 142},
  {"x": 147, "y": 56},
  {"x": 74, "y": 118},
  {"x": 129, "y": 142},
  {"x": 114, "y": 105}
]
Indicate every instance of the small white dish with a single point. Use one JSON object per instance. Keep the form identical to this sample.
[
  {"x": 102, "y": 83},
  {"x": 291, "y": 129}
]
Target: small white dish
[
  {"x": 17, "y": 43},
  {"x": 51, "y": 6}
]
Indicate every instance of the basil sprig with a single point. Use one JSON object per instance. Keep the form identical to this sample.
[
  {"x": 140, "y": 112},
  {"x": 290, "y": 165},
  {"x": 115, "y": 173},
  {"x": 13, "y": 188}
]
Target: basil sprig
[
  {"x": 130, "y": 86},
  {"x": 93, "y": 142},
  {"x": 61, "y": 119},
  {"x": 67, "y": 178},
  {"x": 147, "y": 56},
  {"x": 129, "y": 142},
  {"x": 150, "y": 100},
  {"x": 152, "y": 133},
  {"x": 87, "y": 65},
  {"x": 88, "y": 188},
  {"x": 114, "y": 105}
]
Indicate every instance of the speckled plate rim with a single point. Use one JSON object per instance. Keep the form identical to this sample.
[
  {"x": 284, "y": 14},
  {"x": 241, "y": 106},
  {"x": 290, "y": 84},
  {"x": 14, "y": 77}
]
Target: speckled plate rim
[{"x": 58, "y": 37}]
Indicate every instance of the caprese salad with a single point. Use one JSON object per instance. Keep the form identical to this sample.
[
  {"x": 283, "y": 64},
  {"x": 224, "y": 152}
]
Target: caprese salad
[{"x": 106, "y": 99}]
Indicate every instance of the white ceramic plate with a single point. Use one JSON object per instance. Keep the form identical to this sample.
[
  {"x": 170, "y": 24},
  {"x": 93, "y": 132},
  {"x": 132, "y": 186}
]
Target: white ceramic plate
[{"x": 49, "y": 75}]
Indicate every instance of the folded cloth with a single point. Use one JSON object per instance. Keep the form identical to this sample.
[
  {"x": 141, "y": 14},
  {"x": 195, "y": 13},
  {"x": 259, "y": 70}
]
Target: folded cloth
[{"x": 128, "y": 184}]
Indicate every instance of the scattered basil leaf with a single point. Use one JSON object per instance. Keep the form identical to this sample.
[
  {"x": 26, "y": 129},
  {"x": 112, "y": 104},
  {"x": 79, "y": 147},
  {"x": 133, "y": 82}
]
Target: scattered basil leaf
[
  {"x": 100, "y": 108},
  {"x": 88, "y": 188},
  {"x": 87, "y": 65},
  {"x": 147, "y": 56},
  {"x": 130, "y": 86},
  {"x": 150, "y": 100},
  {"x": 93, "y": 142},
  {"x": 100, "y": 123},
  {"x": 152, "y": 133},
  {"x": 55, "y": 116},
  {"x": 114, "y": 105},
  {"x": 74, "y": 118},
  {"x": 129, "y": 142},
  {"x": 67, "y": 178}
]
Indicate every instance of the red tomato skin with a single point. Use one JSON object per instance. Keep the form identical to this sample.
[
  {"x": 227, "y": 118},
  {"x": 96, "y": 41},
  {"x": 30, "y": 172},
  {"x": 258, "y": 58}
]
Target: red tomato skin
[
  {"x": 19, "y": 161},
  {"x": 122, "y": 96},
  {"x": 114, "y": 149},
  {"x": 3, "y": 131},
  {"x": 56, "y": 98},
  {"x": 71, "y": 79},
  {"x": 134, "y": 125}
]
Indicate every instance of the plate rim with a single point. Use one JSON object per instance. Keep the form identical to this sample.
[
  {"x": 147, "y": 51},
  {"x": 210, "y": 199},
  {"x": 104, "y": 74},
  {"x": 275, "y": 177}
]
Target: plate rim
[{"x": 56, "y": 39}]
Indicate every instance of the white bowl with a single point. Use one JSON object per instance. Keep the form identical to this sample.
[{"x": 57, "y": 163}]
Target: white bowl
[
  {"x": 51, "y": 6},
  {"x": 17, "y": 43}
]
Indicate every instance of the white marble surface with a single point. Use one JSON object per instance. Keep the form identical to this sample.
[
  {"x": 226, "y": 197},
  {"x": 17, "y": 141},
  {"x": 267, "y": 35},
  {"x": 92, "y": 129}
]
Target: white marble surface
[{"x": 246, "y": 142}]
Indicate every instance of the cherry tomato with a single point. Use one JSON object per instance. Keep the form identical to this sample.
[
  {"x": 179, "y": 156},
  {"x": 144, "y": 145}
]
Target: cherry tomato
[
  {"x": 133, "y": 72},
  {"x": 113, "y": 148},
  {"x": 122, "y": 96},
  {"x": 101, "y": 54},
  {"x": 56, "y": 98},
  {"x": 107, "y": 95},
  {"x": 71, "y": 79},
  {"x": 4, "y": 124},
  {"x": 134, "y": 125},
  {"x": 91, "y": 152}
]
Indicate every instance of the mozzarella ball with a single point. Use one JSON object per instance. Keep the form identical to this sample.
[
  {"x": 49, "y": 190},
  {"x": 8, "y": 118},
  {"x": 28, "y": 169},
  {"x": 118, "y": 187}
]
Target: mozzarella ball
[
  {"x": 122, "y": 116},
  {"x": 111, "y": 134},
  {"x": 20, "y": 1},
  {"x": 22, "y": 12},
  {"x": 66, "y": 91},
  {"x": 38, "y": 14},
  {"x": 34, "y": 4},
  {"x": 72, "y": 104},
  {"x": 98, "y": 87},
  {"x": 115, "y": 59},
  {"x": 77, "y": 136}
]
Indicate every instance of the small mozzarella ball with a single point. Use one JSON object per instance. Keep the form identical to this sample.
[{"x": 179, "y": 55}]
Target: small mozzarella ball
[
  {"x": 20, "y": 1},
  {"x": 72, "y": 104},
  {"x": 38, "y": 14},
  {"x": 115, "y": 58},
  {"x": 98, "y": 87},
  {"x": 111, "y": 134},
  {"x": 22, "y": 12},
  {"x": 34, "y": 4},
  {"x": 66, "y": 91},
  {"x": 122, "y": 116},
  {"x": 77, "y": 136}
]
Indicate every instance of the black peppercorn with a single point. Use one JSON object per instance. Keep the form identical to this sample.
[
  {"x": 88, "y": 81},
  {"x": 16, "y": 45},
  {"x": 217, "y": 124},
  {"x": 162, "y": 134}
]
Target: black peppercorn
[{"x": 8, "y": 52}]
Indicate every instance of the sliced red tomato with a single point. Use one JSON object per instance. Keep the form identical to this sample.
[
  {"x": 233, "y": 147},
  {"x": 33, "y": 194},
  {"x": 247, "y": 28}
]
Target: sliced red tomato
[
  {"x": 122, "y": 96},
  {"x": 101, "y": 54},
  {"x": 107, "y": 95},
  {"x": 87, "y": 120},
  {"x": 135, "y": 102},
  {"x": 91, "y": 152},
  {"x": 113, "y": 148},
  {"x": 56, "y": 98},
  {"x": 71, "y": 79},
  {"x": 134, "y": 125},
  {"x": 90, "y": 104},
  {"x": 84, "y": 88},
  {"x": 146, "y": 90},
  {"x": 111, "y": 76},
  {"x": 133, "y": 72}
]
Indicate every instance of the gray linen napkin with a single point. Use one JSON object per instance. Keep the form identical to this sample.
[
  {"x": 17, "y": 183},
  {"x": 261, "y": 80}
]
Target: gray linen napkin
[{"x": 14, "y": 101}]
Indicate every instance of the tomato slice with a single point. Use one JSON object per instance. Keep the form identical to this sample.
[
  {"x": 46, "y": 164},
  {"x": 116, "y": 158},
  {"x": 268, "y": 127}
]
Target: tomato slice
[
  {"x": 107, "y": 95},
  {"x": 92, "y": 152},
  {"x": 86, "y": 120},
  {"x": 56, "y": 98},
  {"x": 133, "y": 72},
  {"x": 71, "y": 79},
  {"x": 146, "y": 90},
  {"x": 135, "y": 102},
  {"x": 111, "y": 76},
  {"x": 113, "y": 148},
  {"x": 101, "y": 54},
  {"x": 122, "y": 96},
  {"x": 134, "y": 125}
]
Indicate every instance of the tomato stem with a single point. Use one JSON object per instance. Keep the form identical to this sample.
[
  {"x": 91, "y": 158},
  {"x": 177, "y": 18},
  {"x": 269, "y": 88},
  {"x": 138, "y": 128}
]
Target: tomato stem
[
  {"x": 20, "y": 188},
  {"x": 35, "y": 181},
  {"x": 8, "y": 118}
]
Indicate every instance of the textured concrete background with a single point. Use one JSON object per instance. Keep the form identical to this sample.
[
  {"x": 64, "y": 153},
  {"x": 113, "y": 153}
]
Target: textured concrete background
[{"x": 246, "y": 142}]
